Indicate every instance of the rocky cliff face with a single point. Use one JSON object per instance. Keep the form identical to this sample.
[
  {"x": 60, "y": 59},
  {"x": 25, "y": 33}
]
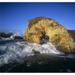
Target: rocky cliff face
[{"x": 42, "y": 30}]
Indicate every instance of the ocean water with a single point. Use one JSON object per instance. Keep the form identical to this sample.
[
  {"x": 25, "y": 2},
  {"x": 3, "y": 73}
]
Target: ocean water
[{"x": 18, "y": 56}]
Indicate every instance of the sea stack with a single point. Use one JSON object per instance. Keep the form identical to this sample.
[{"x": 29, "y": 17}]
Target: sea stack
[{"x": 42, "y": 30}]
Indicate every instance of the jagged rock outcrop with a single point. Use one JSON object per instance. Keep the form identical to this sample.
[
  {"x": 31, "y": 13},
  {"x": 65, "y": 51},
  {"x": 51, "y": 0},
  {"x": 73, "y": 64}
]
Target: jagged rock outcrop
[{"x": 42, "y": 30}]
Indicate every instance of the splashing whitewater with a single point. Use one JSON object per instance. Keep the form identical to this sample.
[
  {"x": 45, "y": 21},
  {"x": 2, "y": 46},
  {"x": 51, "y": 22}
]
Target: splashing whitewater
[{"x": 17, "y": 51}]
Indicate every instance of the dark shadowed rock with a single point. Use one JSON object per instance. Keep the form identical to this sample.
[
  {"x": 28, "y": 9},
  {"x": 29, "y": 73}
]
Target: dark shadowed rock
[{"x": 5, "y": 35}]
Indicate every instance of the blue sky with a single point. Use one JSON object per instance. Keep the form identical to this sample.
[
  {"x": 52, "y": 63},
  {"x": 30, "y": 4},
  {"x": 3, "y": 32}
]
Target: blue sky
[{"x": 14, "y": 16}]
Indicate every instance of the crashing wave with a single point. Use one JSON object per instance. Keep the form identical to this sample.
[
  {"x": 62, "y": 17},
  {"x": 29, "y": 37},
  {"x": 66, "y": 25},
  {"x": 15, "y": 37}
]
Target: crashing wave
[{"x": 17, "y": 51}]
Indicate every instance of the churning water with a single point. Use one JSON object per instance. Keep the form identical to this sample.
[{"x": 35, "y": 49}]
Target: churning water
[{"x": 17, "y": 51}]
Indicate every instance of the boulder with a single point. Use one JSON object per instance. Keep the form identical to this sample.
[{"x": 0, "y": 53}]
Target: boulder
[{"x": 42, "y": 30}]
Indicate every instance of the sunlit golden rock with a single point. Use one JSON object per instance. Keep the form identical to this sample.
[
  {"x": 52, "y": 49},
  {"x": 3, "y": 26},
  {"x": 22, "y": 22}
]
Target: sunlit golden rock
[{"x": 41, "y": 28}]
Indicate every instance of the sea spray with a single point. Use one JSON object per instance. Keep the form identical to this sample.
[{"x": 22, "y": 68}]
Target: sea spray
[{"x": 17, "y": 51}]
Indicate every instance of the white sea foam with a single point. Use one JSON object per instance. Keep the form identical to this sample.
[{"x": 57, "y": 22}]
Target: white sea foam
[{"x": 17, "y": 51}]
